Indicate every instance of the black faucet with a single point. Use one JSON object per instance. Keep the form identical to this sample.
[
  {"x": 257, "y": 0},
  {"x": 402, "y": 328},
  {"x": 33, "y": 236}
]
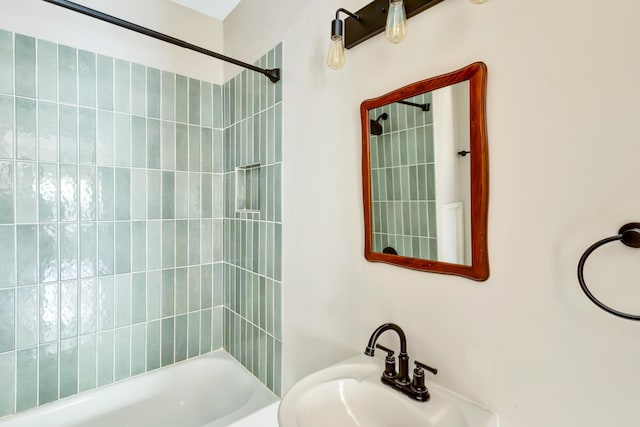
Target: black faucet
[{"x": 400, "y": 381}]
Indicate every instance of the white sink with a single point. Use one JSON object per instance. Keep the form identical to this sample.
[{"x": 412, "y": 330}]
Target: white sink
[{"x": 350, "y": 394}]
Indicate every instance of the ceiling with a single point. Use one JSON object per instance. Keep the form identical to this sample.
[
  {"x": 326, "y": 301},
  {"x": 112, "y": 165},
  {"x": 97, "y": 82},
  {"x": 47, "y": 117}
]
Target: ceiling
[{"x": 218, "y": 9}]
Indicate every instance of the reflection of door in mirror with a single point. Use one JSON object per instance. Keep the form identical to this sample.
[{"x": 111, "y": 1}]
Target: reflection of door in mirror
[
  {"x": 425, "y": 175},
  {"x": 419, "y": 183},
  {"x": 453, "y": 191}
]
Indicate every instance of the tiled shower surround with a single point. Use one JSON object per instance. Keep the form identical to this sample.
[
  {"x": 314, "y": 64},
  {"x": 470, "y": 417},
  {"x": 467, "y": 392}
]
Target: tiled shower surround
[
  {"x": 253, "y": 240},
  {"x": 403, "y": 180},
  {"x": 112, "y": 222}
]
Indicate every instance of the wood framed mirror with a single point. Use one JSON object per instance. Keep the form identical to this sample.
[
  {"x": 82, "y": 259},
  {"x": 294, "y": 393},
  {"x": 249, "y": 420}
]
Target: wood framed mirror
[{"x": 425, "y": 175}]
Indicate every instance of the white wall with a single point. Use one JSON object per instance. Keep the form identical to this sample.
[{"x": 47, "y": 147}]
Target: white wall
[
  {"x": 563, "y": 141},
  {"x": 39, "y": 19},
  {"x": 255, "y": 27}
]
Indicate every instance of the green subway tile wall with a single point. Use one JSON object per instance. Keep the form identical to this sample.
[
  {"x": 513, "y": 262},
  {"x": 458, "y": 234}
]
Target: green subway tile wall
[
  {"x": 253, "y": 232},
  {"x": 112, "y": 220},
  {"x": 403, "y": 180}
]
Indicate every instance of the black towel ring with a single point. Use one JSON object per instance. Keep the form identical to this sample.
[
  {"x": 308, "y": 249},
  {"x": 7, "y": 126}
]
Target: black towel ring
[{"x": 629, "y": 234}]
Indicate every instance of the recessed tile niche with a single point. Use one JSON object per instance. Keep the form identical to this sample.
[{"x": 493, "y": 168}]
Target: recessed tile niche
[{"x": 248, "y": 188}]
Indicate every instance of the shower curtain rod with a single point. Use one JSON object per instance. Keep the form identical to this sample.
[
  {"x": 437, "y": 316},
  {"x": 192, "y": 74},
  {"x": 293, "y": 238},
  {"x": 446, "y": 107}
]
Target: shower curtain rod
[
  {"x": 423, "y": 107},
  {"x": 272, "y": 74}
]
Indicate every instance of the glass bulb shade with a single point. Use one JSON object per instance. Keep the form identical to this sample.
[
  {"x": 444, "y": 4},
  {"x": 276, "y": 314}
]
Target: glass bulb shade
[
  {"x": 396, "y": 29},
  {"x": 335, "y": 58}
]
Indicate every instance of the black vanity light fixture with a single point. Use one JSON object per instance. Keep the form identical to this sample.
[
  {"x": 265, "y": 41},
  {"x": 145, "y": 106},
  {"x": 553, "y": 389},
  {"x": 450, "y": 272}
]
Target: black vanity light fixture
[
  {"x": 389, "y": 16},
  {"x": 271, "y": 74},
  {"x": 335, "y": 58}
]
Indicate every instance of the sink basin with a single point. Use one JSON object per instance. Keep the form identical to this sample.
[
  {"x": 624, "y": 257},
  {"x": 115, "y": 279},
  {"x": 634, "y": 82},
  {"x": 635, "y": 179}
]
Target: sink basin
[{"x": 350, "y": 394}]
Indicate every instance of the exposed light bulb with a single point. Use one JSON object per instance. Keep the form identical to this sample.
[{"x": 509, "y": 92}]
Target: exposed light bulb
[
  {"x": 478, "y": 1},
  {"x": 335, "y": 58},
  {"x": 396, "y": 29}
]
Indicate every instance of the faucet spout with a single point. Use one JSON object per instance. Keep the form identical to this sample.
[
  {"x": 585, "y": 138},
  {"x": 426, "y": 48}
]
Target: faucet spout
[
  {"x": 403, "y": 357},
  {"x": 370, "y": 350}
]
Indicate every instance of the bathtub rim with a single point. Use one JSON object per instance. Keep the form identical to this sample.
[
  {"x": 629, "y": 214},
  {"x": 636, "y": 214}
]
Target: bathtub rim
[{"x": 37, "y": 412}]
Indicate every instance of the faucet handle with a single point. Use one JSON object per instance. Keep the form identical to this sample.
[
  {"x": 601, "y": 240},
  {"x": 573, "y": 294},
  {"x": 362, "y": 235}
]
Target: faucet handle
[
  {"x": 389, "y": 362},
  {"x": 420, "y": 366},
  {"x": 418, "y": 379},
  {"x": 383, "y": 348}
]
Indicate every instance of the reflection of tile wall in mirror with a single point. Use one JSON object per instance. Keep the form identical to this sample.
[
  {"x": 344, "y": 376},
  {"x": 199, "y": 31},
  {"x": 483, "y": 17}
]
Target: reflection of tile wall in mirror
[{"x": 403, "y": 180}]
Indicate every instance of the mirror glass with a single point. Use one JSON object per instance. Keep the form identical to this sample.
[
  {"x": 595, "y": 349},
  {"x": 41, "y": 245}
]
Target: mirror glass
[{"x": 425, "y": 175}]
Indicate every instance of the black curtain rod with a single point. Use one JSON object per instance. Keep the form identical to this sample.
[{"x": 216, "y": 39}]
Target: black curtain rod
[{"x": 272, "y": 74}]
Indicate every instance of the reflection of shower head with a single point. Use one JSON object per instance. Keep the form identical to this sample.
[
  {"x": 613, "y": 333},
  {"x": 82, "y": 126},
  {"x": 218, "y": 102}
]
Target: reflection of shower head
[
  {"x": 376, "y": 127},
  {"x": 389, "y": 250}
]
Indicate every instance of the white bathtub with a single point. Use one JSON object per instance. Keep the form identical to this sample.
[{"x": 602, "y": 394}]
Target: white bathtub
[{"x": 213, "y": 390}]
